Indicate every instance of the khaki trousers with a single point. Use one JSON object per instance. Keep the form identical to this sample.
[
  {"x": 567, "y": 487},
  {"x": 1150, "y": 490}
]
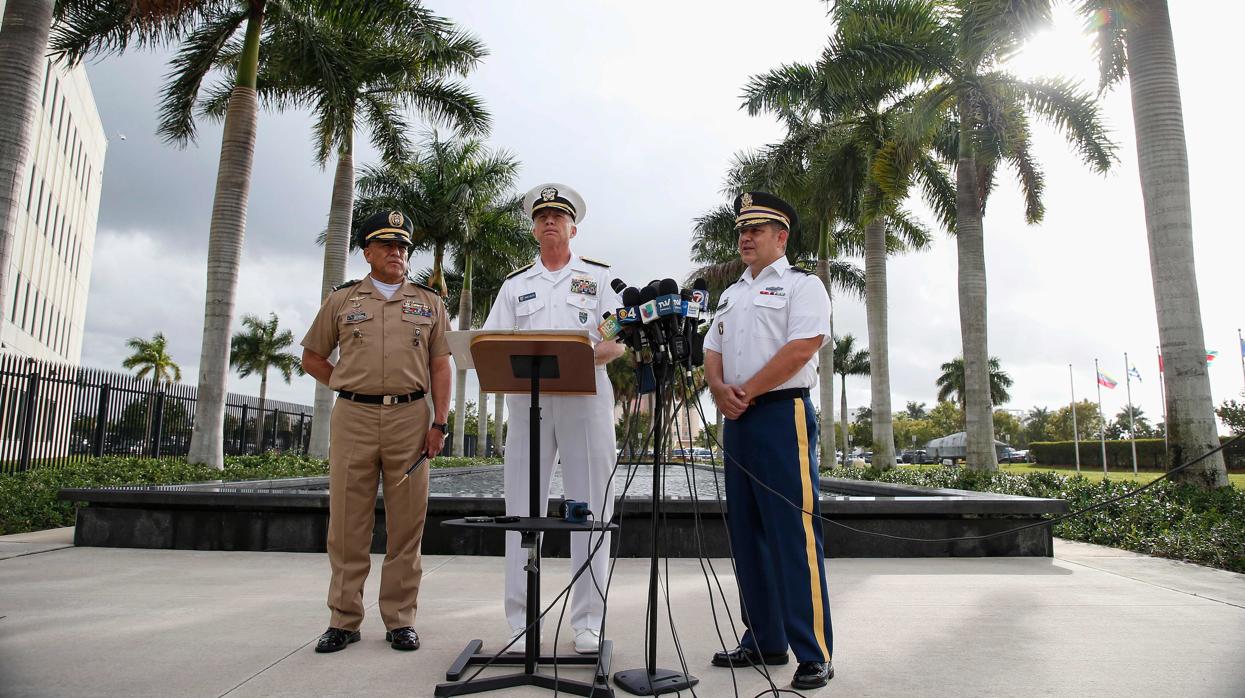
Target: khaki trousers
[{"x": 369, "y": 443}]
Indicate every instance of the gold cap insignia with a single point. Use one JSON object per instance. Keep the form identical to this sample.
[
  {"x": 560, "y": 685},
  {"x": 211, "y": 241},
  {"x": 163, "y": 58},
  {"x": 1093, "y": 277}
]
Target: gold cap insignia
[
  {"x": 548, "y": 193},
  {"x": 746, "y": 200},
  {"x": 395, "y": 219}
]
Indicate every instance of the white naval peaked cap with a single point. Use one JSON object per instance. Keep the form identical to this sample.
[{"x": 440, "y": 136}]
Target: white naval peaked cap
[{"x": 554, "y": 195}]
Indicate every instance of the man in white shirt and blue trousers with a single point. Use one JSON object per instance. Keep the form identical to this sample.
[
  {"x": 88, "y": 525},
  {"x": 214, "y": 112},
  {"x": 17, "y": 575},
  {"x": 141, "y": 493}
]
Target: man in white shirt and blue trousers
[{"x": 760, "y": 362}]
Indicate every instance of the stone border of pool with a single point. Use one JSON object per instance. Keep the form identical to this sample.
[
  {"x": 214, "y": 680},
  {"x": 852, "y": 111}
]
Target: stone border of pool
[{"x": 279, "y": 515}]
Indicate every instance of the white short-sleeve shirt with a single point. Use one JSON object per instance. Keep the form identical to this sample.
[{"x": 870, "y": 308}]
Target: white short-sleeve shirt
[
  {"x": 756, "y": 317},
  {"x": 573, "y": 298}
]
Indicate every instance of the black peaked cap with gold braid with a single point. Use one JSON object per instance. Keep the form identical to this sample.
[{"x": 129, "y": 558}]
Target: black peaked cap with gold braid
[
  {"x": 755, "y": 207},
  {"x": 386, "y": 226}
]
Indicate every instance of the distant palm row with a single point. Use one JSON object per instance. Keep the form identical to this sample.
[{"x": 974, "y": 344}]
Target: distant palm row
[{"x": 913, "y": 97}]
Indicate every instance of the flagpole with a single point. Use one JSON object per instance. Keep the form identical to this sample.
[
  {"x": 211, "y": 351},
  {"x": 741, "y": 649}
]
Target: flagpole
[
  {"x": 1076, "y": 439},
  {"x": 1132, "y": 430},
  {"x": 1102, "y": 421},
  {"x": 1241, "y": 341},
  {"x": 1163, "y": 398}
]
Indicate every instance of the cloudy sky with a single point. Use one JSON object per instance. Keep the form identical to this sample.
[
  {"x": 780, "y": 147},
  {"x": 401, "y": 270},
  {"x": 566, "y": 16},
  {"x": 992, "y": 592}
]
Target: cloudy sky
[{"x": 637, "y": 106}]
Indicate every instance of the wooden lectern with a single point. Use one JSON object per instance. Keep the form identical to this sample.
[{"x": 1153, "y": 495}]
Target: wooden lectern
[{"x": 529, "y": 362}]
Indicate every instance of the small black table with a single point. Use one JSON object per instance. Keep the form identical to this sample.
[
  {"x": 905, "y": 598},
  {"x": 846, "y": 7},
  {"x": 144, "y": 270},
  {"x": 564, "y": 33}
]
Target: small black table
[{"x": 531, "y": 529}]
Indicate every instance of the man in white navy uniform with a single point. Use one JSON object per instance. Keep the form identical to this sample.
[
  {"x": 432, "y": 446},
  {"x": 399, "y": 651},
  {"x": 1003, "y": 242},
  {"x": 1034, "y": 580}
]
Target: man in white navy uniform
[
  {"x": 760, "y": 361},
  {"x": 561, "y": 291}
]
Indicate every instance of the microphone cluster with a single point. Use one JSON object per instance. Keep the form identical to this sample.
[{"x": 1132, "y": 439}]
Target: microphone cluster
[{"x": 658, "y": 322}]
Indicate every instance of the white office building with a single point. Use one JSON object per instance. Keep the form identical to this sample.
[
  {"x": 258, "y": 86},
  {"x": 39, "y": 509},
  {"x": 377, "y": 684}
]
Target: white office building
[{"x": 50, "y": 269}]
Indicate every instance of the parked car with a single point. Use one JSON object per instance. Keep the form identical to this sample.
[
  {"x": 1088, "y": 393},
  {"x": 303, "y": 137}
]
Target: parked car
[
  {"x": 1012, "y": 455},
  {"x": 917, "y": 456}
]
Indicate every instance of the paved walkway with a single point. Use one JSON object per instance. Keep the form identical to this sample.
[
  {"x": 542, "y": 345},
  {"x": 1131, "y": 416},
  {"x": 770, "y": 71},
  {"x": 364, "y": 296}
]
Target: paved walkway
[{"x": 1091, "y": 622}]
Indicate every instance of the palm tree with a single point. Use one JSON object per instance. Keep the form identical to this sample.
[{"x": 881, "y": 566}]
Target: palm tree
[
  {"x": 258, "y": 349},
  {"x": 151, "y": 358},
  {"x": 446, "y": 188},
  {"x": 853, "y": 128},
  {"x": 23, "y": 45},
  {"x": 367, "y": 85},
  {"x": 952, "y": 385},
  {"x": 207, "y": 30},
  {"x": 952, "y": 53},
  {"x": 1134, "y": 39},
  {"x": 849, "y": 361}
]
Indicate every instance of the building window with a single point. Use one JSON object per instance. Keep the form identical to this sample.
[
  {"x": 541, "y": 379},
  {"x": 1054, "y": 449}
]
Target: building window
[
  {"x": 26, "y": 305},
  {"x": 47, "y": 73},
  {"x": 16, "y": 288},
  {"x": 39, "y": 204}
]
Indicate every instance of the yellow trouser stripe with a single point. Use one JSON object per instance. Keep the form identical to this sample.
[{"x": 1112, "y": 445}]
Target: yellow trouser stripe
[{"x": 810, "y": 543}]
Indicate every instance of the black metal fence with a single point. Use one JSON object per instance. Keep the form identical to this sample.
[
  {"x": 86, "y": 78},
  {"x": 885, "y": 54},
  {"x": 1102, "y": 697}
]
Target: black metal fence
[{"x": 54, "y": 413}]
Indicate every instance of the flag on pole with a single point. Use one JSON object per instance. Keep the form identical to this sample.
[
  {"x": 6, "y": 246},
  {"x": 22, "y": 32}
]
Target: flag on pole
[
  {"x": 1210, "y": 356},
  {"x": 1160, "y": 365},
  {"x": 1133, "y": 372},
  {"x": 1106, "y": 381}
]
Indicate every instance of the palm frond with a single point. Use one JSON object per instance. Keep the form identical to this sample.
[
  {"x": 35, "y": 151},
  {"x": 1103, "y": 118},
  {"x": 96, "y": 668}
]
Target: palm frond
[
  {"x": 189, "y": 66},
  {"x": 1076, "y": 113}
]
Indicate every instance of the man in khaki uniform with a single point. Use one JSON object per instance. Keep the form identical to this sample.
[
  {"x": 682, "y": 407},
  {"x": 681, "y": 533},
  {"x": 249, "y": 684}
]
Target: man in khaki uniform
[{"x": 391, "y": 332}]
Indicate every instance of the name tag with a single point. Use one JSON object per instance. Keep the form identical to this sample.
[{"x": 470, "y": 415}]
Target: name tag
[
  {"x": 527, "y": 296},
  {"x": 359, "y": 316},
  {"x": 585, "y": 285}
]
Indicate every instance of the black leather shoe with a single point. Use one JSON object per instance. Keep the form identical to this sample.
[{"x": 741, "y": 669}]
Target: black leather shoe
[
  {"x": 812, "y": 674},
  {"x": 405, "y": 639},
  {"x": 335, "y": 639},
  {"x": 742, "y": 656}
]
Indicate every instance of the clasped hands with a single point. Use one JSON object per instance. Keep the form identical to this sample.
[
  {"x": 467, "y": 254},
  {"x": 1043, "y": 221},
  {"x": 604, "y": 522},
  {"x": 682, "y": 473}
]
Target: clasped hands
[{"x": 732, "y": 400}]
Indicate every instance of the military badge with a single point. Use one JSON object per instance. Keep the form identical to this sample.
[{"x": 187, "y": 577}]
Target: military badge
[
  {"x": 583, "y": 317},
  {"x": 548, "y": 193},
  {"x": 721, "y": 329},
  {"x": 395, "y": 219},
  {"x": 746, "y": 200},
  {"x": 416, "y": 309},
  {"x": 773, "y": 291},
  {"x": 585, "y": 285}
]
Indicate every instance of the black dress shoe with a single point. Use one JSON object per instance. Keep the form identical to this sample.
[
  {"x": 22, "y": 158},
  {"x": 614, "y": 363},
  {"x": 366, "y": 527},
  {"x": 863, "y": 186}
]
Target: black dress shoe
[
  {"x": 335, "y": 639},
  {"x": 743, "y": 656},
  {"x": 405, "y": 639},
  {"x": 812, "y": 674}
]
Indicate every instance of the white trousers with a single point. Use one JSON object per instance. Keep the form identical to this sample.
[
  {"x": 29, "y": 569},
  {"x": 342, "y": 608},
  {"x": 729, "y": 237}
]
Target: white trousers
[{"x": 579, "y": 432}]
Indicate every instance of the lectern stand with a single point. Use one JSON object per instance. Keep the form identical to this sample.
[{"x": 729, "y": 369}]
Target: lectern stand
[{"x": 561, "y": 363}]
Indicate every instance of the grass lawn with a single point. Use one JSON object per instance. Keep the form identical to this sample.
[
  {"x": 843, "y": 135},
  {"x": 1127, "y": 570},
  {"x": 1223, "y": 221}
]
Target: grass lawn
[{"x": 1237, "y": 479}]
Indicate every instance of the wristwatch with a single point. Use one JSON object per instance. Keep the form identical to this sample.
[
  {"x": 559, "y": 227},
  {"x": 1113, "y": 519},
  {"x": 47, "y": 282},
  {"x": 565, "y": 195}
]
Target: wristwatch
[{"x": 441, "y": 425}]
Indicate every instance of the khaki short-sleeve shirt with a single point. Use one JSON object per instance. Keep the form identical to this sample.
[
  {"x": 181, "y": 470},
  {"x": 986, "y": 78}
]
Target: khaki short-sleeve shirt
[{"x": 386, "y": 344}]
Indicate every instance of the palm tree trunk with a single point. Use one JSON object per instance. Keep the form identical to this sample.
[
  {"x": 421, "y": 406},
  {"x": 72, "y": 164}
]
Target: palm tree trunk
[
  {"x": 481, "y": 423},
  {"x": 498, "y": 424},
  {"x": 228, "y": 228},
  {"x": 879, "y": 359},
  {"x": 847, "y": 441},
  {"x": 460, "y": 382},
  {"x": 970, "y": 252},
  {"x": 1162, "y": 160},
  {"x": 259, "y": 418},
  {"x": 825, "y": 359},
  {"x": 336, "y": 250},
  {"x": 23, "y": 45}
]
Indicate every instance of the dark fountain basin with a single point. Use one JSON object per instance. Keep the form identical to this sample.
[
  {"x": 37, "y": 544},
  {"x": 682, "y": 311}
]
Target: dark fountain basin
[{"x": 291, "y": 515}]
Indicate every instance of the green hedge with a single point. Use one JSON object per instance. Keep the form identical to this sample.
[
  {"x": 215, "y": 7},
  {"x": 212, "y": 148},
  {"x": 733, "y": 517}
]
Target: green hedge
[
  {"x": 1151, "y": 454},
  {"x": 1180, "y": 522},
  {"x": 28, "y": 500}
]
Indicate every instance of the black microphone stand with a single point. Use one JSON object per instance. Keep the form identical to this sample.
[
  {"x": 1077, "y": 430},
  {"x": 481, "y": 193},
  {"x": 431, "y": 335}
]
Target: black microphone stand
[{"x": 651, "y": 680}]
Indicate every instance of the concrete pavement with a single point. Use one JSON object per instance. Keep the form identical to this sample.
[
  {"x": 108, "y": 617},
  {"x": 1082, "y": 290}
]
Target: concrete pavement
[{"x": 1091, "y": 622}]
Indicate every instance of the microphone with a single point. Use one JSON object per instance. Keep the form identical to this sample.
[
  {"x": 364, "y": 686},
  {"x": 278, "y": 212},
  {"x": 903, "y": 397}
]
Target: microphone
[
  {"x": 700, "y": 291},
  {"x": 609, "y": 327},
  {"x": 648, "y": 304},
  {"x": 618, "y": 285}
]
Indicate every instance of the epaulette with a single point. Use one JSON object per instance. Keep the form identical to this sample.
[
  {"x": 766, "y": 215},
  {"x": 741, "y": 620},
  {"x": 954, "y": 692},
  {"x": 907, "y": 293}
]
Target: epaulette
[
  {"x": 520, "y": 270},
  {"x": 346, "y": 284},
  {"x": 597, "y": 262},
  {"x": 426, "y": 287},
  {"x": 800, "y": 270}
]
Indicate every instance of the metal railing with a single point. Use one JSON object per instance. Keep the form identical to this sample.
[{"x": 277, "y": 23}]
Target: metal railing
[{"x": 52, "y": 414}]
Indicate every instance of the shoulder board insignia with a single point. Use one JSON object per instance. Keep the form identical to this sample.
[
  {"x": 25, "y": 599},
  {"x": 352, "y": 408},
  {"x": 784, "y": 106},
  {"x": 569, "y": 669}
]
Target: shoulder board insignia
[
  {"x": 520, "y": 270},
  {"x": 800, "y": 270},
  {"x": 426, "y": 287},
  {"x": 597, "y": 262},
  {"x": 346, "y": 284}
]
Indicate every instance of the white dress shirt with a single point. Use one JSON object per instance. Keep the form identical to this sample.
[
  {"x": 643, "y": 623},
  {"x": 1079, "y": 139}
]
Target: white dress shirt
[
  {"x": 756, "y": 317},
  {"x": 572, "y": 298}
]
